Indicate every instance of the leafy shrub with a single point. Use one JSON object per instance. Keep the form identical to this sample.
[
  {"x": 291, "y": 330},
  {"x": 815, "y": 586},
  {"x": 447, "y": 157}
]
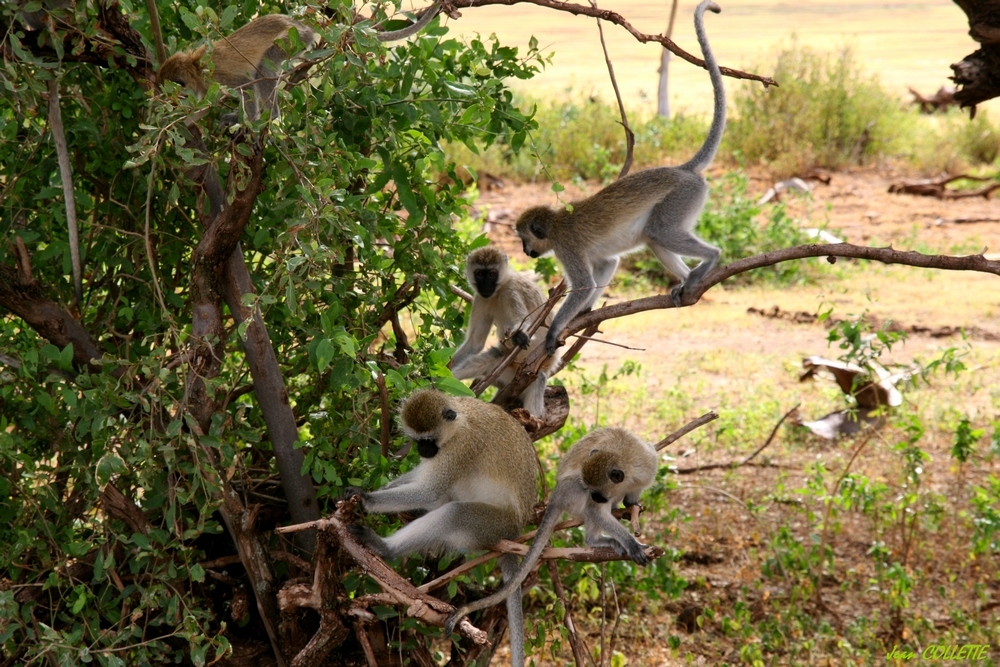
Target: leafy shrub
[{"x": 825, "y": 113}]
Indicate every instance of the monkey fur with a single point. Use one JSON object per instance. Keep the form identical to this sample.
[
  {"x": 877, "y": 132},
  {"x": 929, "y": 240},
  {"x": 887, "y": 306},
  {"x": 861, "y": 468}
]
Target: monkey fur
[
  {"x": 656, "y": 207},
  {"x": 509, "y": 300},
  {"x": 251, "y": 55},
  {"x": 476, "y": 481},
  {"x": 606, "y": 467},
  {"x": 247, "y": 59}
]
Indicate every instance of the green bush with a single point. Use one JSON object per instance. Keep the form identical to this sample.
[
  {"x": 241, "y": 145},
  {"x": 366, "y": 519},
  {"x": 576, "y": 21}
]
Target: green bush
[{"x": 825, "y": 113}]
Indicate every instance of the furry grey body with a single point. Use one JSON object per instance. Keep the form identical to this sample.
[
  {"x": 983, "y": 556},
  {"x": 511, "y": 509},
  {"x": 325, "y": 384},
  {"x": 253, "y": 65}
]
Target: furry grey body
[
  {"x": 476, "y": 482},
  {"x": 610, "y": 463},
  {"x": 510, "y": 301},
  {"x": 658, "y": 208}
]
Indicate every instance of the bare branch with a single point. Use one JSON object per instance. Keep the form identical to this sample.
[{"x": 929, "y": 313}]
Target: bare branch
[
  {"x": 618, "y": 19},
  {"x": 66, "y": 176},
  {"x": 684, "y": 430},
  {"x": 629, "y": 135}
]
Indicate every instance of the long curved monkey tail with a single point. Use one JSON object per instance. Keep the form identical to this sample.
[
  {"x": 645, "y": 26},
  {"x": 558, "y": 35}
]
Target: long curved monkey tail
[{"x": 706, "y": 153}]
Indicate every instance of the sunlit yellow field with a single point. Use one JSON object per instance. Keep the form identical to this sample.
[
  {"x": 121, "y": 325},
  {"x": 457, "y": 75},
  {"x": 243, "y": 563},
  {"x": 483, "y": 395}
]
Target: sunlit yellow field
[{"x": 905, "y": 42}]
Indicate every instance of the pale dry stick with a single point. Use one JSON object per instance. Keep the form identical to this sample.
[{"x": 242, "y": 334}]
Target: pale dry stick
[
  {"x": 770, "y": 539},
  {"x": 461, "y": 293},
  {"x": 734, "y": 465},
  {"x": 608, "y": 342},
  {"x": 66, "y": 176},
  {"x": 629, "y": 135},
  {"x": 149, "y": 243},
  {"x": 557, "y": 293},
  {"x": 618, "y": 619},
  {"x": 604, "y": 614},
  {"x": 684, "y": 430},
  {"x": 366, "y": 646}
]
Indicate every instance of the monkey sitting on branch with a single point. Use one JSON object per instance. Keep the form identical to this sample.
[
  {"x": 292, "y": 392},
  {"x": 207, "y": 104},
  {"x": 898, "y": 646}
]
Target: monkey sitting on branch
[
  {"x": 507, "y": 299},
  {"x": 656, "y": 207},
  {"x": 476, "y": 481},
  {"x": 601, "y": 470}
]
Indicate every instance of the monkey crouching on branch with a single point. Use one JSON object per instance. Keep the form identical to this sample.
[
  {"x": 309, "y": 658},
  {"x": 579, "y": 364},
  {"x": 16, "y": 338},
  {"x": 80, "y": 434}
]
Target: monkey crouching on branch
[
  {"x": 476, "y": 481},
  {"x": 656, "y": 207},
  {"x": 509, "y": 300},
  {"x": 606, "y": 467},
  {"x": 250, "y": 57}
]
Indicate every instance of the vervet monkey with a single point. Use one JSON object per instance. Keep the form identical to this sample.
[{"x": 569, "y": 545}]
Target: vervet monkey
[
  {"x": 476, "y": 481},
  {"x": 604, "y": 468},
  {"x": 507, "y": 299},
  {"x": 248, "y": 58},
  {"x": 656, "y": 207}
]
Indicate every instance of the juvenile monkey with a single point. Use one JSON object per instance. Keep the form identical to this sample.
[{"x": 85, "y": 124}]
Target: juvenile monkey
[
  {"x": 249, "y": 57},
  {"x": 656, "y": 207},
  {"x": 476, "y": 481},
  {"x": 508, "y": 299},
  {"x": 604, "y": 468}
]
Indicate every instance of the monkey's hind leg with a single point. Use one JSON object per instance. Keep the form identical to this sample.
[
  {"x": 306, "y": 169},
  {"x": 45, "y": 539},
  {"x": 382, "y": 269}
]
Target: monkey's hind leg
[{"x": 671, "y": 232}]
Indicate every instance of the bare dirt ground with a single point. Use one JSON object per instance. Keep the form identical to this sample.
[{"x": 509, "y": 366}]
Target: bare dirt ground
[{"x": 717, "y": 355}]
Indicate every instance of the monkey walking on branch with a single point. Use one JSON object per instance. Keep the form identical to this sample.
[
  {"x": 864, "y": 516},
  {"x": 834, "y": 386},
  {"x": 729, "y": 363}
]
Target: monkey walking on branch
[{"x": 655, "y": 207}]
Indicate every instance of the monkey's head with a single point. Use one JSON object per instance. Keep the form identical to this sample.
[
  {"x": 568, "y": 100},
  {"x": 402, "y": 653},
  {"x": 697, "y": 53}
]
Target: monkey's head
[
  {"x": 184, "y": 68},
  {"x": 428, "y": 417},
  {"x": 485, "y": 269},
  {"x": 601, "y": 473},
  {"x": 533, "y": 228}
]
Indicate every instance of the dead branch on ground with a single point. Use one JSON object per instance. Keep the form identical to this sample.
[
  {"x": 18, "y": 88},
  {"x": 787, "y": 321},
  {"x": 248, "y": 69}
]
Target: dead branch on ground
[{"x": 930, "y": 187}]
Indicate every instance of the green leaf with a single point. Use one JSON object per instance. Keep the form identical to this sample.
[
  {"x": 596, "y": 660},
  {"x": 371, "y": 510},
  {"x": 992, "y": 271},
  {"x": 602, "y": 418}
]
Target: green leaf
[{"x": 453, "y": 387}]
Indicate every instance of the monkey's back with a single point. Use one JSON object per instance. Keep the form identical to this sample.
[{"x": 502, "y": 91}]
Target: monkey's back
[
  {"x": 594, "y": 221},
  {"x": 497, "y": 448},
  {"x": 235, "y": 57}
]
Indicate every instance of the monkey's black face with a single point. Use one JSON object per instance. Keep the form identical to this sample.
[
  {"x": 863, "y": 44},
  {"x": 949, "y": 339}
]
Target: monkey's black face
[
  {"x": 486, "y": 281},
  {"x": 597, "y": 497},
  {"x": 427, "y": 448}
]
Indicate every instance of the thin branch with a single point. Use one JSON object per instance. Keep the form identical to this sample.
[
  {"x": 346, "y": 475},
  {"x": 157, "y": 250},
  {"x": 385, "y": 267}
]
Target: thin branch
[
  {"x": 737, "y": 464},
  {"x": 383, "y": 395},
  {"x": 617, "y": 19},
  {"x": 684, "y": 430},
  {"x": 66, "y": 176},
  {"x": 154, "y": 26},
  {"x": 629, "y": 135},
  {"x": 461, "y": 293}
]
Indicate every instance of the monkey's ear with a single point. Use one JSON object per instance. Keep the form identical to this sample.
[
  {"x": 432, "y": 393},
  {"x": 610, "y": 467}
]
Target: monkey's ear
[
  {"x": 449, "y": 415},
  {"x": 197, "y": 54},
  {"x": 616, "y": 475},
  {"x": 539, "y": 231}
]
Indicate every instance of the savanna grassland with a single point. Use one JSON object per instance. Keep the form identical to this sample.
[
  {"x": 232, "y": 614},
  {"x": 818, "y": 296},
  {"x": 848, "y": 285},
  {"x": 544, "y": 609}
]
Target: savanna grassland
[{"x": 859, "y": 551}]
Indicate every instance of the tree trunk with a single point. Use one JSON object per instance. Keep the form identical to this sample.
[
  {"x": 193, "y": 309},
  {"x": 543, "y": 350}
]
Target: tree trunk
[{"x": 978, "y": 74}]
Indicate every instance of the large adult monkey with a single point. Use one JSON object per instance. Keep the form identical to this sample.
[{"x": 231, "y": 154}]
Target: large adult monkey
[
  {"x": 476, "y": 481},
  {"x": 656, "y": 207}
]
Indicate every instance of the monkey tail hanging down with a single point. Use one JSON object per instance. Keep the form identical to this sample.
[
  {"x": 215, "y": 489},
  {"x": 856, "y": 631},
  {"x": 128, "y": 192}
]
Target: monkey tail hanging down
[{"x": 655, "y": 207}]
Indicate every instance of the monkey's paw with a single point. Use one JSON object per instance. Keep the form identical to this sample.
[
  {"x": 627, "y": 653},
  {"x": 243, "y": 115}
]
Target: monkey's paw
[
  {"x": 366, "y": 536},
  {"x": 351, "y": 491},
  {"x": 551, "y": 343},
  {"x": 677, "y": 295},
  {"x": 520, "y": 339},
  {"x": 634, "y": 550}
]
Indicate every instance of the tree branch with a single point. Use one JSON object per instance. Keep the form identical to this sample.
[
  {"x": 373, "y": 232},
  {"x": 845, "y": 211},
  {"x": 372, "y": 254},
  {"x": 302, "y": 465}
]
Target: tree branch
[{"x": 618, "y": 19}]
